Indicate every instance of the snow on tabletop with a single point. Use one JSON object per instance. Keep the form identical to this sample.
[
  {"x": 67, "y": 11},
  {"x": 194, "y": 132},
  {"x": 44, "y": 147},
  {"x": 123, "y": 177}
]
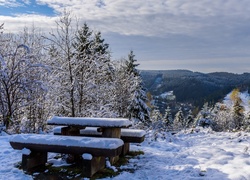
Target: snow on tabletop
[
  {"x": 87, "y": 156},
  {"x": 88, "y": 121},
  {"x": 133, "y": 132},
  {"x": 103, "y": 143}
]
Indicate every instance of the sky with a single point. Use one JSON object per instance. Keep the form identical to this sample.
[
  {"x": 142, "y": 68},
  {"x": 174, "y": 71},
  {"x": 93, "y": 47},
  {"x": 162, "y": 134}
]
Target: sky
[{"x": 198, "y": 35}]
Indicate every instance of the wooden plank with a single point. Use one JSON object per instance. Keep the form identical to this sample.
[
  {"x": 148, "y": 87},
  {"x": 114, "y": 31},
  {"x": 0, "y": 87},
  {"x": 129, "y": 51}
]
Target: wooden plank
[
  {"x": 67, "y": 149},
  {"x": 67, "y": 144},
  {"x": 132, "y": 139},
  {"x": 97, "y": 133}
]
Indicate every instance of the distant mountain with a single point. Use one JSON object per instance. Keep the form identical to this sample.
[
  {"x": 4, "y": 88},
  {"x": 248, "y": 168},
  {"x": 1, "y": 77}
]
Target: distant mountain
[{"x": 194, "y": 87}]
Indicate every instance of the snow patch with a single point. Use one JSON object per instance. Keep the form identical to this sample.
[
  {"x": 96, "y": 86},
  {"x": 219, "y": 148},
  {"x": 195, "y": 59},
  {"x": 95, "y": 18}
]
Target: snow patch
[
  {"x": 26, "y": 151},
  {"x": 202, "y": 154},
  {"x": 87, "y": 156}
]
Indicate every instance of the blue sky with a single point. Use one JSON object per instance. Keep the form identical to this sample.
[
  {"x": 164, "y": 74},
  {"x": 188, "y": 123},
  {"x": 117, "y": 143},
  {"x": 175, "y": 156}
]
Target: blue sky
[
  {"x": 199, "y": 35},
  {"x": 14, "y": 8}
]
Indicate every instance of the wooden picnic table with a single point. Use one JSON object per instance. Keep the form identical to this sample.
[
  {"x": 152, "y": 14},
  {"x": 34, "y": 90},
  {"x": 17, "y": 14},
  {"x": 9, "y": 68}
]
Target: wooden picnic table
[{"x": 111, "y": 127}]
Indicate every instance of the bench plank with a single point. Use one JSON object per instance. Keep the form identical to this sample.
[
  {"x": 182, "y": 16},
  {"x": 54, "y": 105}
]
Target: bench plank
[
  {"x": 108, "y": 147},
  {"x": 127, "y": 135}
]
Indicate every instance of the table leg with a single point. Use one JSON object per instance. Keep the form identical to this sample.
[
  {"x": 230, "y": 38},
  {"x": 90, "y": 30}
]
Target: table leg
[
  {"x": 112, "y": 133},
  {"x": 70, "y": 131}
]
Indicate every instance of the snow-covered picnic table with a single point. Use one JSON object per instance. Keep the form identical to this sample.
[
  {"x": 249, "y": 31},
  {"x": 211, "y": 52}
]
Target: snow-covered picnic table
[
  {"x": 107, "y": 144},
  {"x": 111, "y": 127},
  {"x": 98, "y": 127}
]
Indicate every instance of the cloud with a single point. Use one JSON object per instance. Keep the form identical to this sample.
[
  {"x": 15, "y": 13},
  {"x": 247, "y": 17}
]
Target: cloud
[
  {"x": 17, "y": 23},
  {"x": 9, "y": 3},
  {"x": 179, "y": 30},
  {"x": 156, "y": 18},
  {"x": 26, "y": 2}
]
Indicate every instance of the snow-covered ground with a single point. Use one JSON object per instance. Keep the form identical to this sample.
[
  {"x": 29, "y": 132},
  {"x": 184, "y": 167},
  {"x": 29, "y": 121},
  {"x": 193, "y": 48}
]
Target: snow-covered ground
[{"x": 199, "y": 155}]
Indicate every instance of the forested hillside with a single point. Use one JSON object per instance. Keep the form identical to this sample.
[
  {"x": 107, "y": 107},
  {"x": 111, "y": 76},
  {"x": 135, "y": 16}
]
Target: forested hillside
[{"x": 194, "y": 87}]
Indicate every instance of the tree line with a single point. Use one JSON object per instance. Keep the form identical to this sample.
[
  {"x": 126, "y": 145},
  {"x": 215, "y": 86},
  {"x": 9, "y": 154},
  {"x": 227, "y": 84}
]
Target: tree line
[
  {"x": 66, "y": 73},
  {"x": 231, "y": 115}
]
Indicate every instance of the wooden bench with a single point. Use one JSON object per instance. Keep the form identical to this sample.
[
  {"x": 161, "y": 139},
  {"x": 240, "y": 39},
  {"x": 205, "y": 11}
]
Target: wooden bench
[
  {"x": 39, "y": 145},
  {"x": 127, "y": 135}
]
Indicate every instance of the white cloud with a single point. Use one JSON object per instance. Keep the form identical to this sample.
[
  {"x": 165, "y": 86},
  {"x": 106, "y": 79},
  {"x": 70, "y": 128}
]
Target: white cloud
[
  {"x": 16, "y": 24},
  {"x": 156, "y": 18},
  {"x": 26, "y": 1},
  {"x": 184, "y": 29},
  {"x": 9, "y": 3}
]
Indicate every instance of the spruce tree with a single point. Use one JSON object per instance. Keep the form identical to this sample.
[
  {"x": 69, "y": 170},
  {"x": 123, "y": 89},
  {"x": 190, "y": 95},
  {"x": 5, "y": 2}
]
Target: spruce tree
[
  {"x": 237, "y": 109},
  {"x": 156, "y": 119},
  {"x": 190, "y": 119},
  {"x": 179, "y": 120},
  {"x": 137, "y": 109},
  {"x": 94, "y": 74},
  {"x": 168, "y": 119},
  {"x": 238, "y": 115}
]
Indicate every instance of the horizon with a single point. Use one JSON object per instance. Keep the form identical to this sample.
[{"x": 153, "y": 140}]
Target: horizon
[
  {"x": 193, "y": 71},
  {"x": 201, "y": 36}
]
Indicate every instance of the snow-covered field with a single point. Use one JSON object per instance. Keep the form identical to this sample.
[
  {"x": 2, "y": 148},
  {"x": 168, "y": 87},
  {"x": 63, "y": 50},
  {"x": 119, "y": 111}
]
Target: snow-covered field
[{"x": 198, "y": 155}]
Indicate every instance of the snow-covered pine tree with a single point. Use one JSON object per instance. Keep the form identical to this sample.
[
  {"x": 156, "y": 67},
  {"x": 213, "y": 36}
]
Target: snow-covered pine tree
[
  {"x": 83, "y": 64},
  {"x": 168, "y": 119},
  {"x": 122, "y": 90},
  {"x": 238, "y": 113},
  {"x": 94, "y": 76},
  {"x": 179, "y": 120},
  {"x": 103, "y": 78},
  {"x": 246, "y": 124},
  {"x": 137, "y": 109},
  {"x": 189, "y": 119},
  {"x": 223, "y": 119},
  {"x": 157, "y": 122},
  {"x": 204, "y": 117},
  {"x": 232, "y": 116}
]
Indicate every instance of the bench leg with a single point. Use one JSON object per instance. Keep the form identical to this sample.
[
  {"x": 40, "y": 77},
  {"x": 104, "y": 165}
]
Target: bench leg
[
  {"x": 90, "y": 167},
  {"x": 125, "y": 149},
  {"x": 33, "y": 160},
  {"x": 113, "y": 160}
]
